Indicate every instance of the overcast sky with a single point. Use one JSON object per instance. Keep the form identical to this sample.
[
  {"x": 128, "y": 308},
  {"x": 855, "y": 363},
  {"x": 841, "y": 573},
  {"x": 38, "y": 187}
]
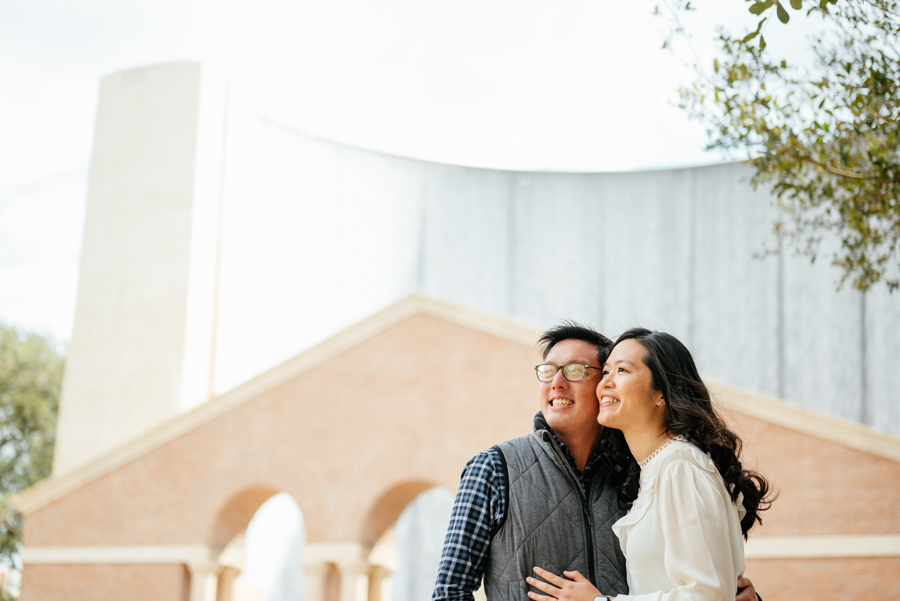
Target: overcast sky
[{"x": 524, "y": 84}]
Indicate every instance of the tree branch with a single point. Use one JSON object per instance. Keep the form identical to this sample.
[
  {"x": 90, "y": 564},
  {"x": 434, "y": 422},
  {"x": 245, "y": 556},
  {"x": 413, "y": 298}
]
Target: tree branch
[{"x": 836, "y": 171}]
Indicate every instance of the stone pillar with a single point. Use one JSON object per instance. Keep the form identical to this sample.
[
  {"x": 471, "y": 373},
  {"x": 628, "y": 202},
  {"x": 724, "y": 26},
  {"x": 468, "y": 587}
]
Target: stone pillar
[
  {"x": 316, "y": 573},
  {"x": 380, "y": 584},
  {"x": 354, "y": 580},
  {"x": 353, "y": 568},
  {"x": 225, "y": 588},
  {"x": 204, "y": 581}
]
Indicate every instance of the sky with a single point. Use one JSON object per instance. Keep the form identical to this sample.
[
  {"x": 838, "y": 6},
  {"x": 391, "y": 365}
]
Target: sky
[{"x": 526, "y": 84}]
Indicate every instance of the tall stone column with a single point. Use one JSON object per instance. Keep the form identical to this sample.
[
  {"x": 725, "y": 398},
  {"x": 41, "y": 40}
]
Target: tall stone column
[{"x": 141, "y": 348}]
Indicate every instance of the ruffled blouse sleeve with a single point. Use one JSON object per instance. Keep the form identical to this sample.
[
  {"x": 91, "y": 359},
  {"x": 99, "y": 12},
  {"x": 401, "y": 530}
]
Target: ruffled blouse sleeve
[{"x": 699, "y": 543}]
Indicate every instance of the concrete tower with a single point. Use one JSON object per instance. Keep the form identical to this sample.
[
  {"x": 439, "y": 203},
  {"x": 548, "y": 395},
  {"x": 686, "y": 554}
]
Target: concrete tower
[{"x": 142, "y": 346}]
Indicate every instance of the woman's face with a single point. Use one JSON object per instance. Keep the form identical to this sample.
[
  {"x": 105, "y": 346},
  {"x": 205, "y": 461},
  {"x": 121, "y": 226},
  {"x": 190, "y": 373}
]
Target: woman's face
[{"x": 627, "y": 400}]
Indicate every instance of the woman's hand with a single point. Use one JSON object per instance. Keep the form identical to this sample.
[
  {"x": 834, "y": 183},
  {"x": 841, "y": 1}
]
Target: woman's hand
[{"x": 574, "y": 587}]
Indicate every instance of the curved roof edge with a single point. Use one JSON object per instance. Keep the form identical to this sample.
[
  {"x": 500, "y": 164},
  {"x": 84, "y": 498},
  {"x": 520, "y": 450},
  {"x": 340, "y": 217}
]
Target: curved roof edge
[{"x": 319, "y": 138}]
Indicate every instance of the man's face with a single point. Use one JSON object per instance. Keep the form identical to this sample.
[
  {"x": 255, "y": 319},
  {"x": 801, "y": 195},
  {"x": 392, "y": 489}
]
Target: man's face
[{"x": 571, "y": 407}]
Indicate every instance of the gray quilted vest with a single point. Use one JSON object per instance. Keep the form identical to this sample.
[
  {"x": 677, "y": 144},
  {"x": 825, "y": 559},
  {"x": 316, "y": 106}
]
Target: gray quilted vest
[{"x": 549, "y": 523}]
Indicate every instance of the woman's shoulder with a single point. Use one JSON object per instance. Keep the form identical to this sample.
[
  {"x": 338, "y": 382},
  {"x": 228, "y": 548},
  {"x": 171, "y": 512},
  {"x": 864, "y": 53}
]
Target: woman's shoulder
[
  {"x": 687, "y": 468},
  {"x": 682, "y": 456}
]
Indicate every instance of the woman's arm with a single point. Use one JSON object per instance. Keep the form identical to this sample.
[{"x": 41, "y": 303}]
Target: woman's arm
[{"x": 574, "y": 587}]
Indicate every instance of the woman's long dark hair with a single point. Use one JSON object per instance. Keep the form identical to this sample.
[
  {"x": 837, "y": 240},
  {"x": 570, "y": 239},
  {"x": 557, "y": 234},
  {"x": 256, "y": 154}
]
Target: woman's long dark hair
[{"x": 689, "y": 412}]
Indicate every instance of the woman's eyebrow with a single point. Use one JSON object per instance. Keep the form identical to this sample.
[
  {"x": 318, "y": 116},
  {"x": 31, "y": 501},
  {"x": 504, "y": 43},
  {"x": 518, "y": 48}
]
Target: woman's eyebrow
[{"x": 620, "y": 361}]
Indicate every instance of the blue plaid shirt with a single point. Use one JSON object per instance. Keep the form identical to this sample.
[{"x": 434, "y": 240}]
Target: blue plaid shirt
[{"x": 477, "y": 511}]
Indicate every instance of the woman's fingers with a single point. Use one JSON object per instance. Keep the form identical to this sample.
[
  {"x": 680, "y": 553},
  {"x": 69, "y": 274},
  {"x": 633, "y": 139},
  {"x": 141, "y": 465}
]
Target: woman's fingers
[
  {"x": 538, "y": 597},
  {"x": 576, "y": 576},
  {"x": 544, "y": 586},
  {"x": 549, "y": 576}
]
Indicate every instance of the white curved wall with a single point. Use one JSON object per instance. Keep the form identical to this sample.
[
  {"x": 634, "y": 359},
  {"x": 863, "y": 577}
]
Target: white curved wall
[{"x": 319, "y": 235}]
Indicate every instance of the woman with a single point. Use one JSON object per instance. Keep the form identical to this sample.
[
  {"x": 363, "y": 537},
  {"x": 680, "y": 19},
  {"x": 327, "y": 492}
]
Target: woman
[{"x": 690, "y": 501}]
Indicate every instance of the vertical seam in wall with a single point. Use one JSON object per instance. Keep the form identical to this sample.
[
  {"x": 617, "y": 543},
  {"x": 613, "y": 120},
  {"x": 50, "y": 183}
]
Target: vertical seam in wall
[
  {"x": 423, "y": 208},
  {"x": 779, "y": 323},
  {"x": 692, "y": 258},
  {"x": 217, "y": 276},
  {"x": 513, "y": 183},
  {"x": 864, "y": 416},
  {"x": 602, "y": 184}
]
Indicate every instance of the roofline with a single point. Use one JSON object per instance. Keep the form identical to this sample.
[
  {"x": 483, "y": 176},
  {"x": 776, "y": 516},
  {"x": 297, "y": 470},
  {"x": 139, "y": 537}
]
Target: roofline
[
  {"x": 779, "y": 412},
  {"x": 53, "y": 488},
  {"x": 768, "y": 409}
]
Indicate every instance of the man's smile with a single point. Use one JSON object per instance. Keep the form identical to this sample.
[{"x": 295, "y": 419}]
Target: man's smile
[{"x": 561, "y": 402}]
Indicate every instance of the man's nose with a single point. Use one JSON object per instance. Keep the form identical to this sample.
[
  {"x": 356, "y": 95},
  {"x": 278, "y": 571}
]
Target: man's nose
[{"x": 559, "y": 379}]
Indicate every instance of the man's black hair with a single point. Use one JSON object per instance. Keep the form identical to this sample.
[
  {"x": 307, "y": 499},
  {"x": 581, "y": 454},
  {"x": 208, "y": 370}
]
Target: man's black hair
[{"x": 570, "y": 330}]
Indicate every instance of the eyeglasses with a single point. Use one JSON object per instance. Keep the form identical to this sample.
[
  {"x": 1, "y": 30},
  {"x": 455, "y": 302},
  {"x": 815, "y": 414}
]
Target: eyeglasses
[{"x": 573, "y": 372}]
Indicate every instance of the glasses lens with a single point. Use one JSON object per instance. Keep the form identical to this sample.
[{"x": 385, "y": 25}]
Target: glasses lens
[
  {"x": 574, "y": 372},
  {"x": 545, "y": 372}
]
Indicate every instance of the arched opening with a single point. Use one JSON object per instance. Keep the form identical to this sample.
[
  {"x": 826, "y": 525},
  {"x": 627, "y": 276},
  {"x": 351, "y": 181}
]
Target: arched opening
[
  {"x": 412, "y": 519},
  {"x": 419, "y": 534},
  {"x": 273, "y": 544},
  {"x": 387, "y": 509},
  {"x": 261, "y": 560},
  {"x": 233, "y": 518}
]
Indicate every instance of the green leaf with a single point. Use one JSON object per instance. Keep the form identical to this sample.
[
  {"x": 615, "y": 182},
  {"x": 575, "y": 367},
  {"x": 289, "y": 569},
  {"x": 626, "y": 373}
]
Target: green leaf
[
  {"x": 797, "y": 4},
  {"x": 758, "y": 8},
  {"x": 783, "y": 15},
  {"x": 753, "y": 34}
]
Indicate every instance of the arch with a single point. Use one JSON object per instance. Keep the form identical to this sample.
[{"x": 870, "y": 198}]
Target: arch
[
  {"x": 237, "y": 512},
  {"x": 388, "y": 507}
]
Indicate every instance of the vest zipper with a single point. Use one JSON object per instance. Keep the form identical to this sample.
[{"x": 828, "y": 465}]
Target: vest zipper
[
  {"x": 589, "y": 530},
  {"x": 586, "y": 512}
]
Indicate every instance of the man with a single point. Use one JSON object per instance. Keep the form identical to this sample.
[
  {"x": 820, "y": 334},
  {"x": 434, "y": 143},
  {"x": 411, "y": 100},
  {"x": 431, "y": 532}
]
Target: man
[{"x": 543, "y": 499}]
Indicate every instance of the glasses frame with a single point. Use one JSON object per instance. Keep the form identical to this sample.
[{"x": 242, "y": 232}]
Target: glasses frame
[{"x": 563, "y": 369}]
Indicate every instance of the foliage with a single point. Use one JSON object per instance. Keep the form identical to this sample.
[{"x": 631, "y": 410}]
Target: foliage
[
  {"x": 827, "y": 137},
  {"x": 30, "y": 381}
]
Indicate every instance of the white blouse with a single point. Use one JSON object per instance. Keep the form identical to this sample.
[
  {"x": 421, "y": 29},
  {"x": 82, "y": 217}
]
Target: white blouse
[{"x": 682, "y": 537}]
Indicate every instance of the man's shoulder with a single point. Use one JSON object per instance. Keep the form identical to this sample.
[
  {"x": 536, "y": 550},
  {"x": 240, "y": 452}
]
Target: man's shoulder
[
  {"x": 496, "y": 452},
  {"x": 518, "y": 442},
  {"x": 492, "y": 462}
]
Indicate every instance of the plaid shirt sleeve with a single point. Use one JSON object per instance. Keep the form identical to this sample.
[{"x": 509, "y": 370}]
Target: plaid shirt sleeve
[{"x": 477, "y": 511}]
